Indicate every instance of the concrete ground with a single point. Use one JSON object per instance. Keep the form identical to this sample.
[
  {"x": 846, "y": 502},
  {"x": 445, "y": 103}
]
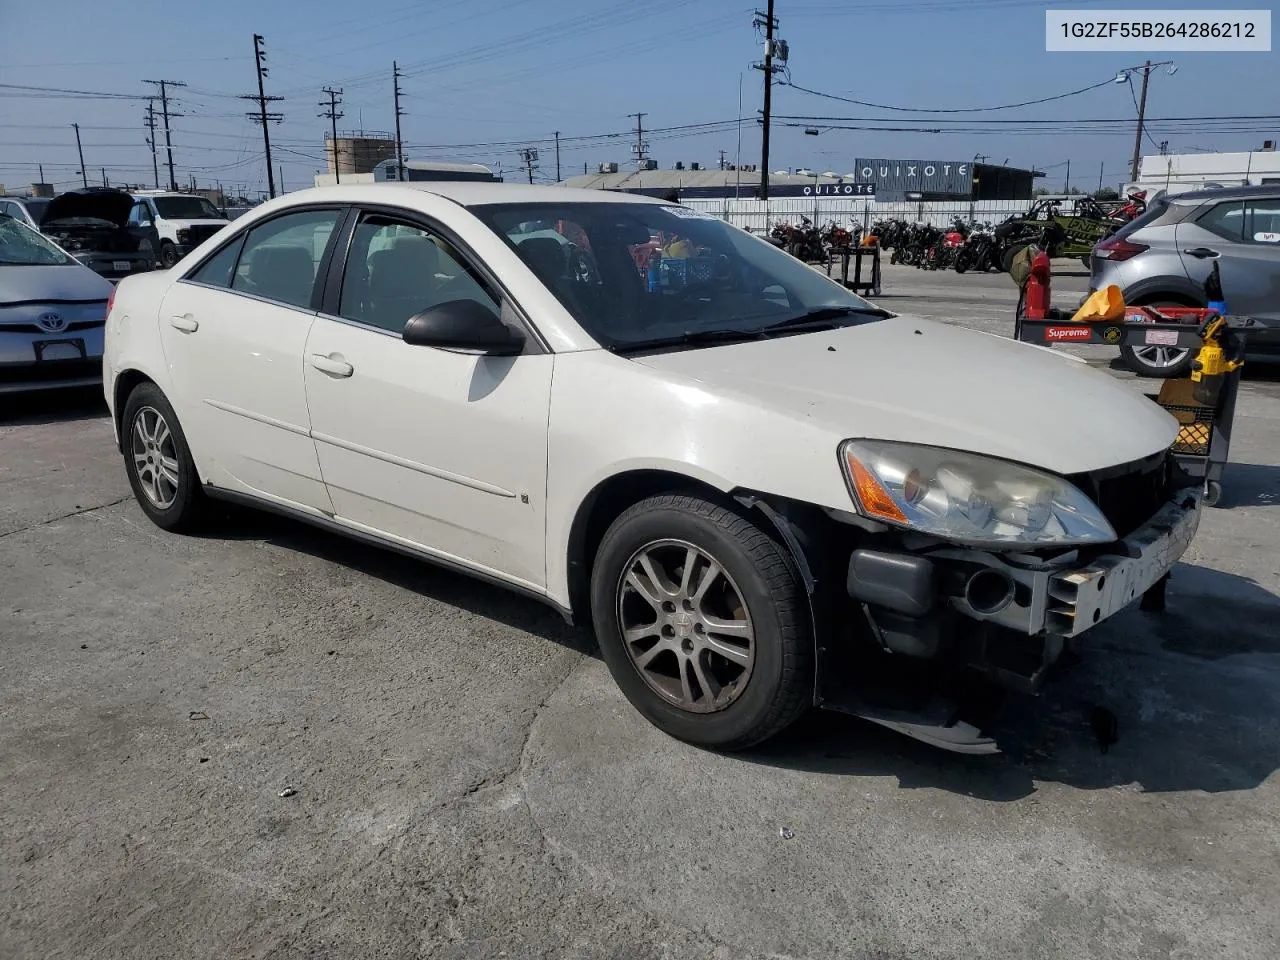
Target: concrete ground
[{"x": 464, "y": 780}]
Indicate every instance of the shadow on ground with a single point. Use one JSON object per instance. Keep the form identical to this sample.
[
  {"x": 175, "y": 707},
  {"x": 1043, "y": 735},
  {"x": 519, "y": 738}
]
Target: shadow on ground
[
  {"x": 1193, "y": 690},
  {"x": 1187, "y": 720},
  {"x": 48, "y": 406},
  {"x": 426, "y": 579}
]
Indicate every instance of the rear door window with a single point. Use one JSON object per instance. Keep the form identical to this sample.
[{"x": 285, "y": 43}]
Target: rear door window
[{"x": 281, "y": 256}]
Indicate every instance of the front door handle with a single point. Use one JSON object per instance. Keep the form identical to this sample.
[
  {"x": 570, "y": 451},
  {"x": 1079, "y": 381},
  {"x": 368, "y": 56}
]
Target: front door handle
[
  {"x": 336, "y": 368},
  {"x": 1201, "y": 253},
  {"x": 185, "y": 322}
]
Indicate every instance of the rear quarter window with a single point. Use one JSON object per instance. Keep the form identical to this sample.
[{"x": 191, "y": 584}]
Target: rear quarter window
[{"x": 1226, "y": 220}]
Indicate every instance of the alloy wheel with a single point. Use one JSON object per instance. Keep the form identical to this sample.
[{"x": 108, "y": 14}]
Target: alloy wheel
[
  {"x": 155, "y": 458},
  {"x": 1160, "y": 358},
  {"x": 685, "y": 626}
]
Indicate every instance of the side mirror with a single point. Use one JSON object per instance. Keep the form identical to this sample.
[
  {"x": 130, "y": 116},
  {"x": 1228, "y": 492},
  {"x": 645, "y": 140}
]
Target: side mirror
[{"x": 463, "y": 325}]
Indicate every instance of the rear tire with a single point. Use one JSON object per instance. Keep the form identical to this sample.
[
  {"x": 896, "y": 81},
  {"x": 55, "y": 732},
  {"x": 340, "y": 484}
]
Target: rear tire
[
  {"x": 1161, "y": 363},
  {"x": 158, "y": 462},
  {"x": 651, "y": 564}
]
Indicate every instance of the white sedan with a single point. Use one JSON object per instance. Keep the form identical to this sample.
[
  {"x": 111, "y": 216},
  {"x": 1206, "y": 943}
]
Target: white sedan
[{"x": 762, "y": 491}]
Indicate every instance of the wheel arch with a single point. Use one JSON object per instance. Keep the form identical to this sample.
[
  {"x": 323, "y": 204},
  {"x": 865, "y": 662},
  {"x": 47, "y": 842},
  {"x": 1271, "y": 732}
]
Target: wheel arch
[
  {"x": 1165, "y": 288},
  {"x": 614, "y": 494},
  {"x": 126, "y": 382}
]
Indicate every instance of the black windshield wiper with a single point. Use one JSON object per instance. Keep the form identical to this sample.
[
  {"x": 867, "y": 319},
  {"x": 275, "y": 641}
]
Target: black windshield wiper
[
  {"x": 823, "y": 318},
  {"x": 689, "y": 338}
]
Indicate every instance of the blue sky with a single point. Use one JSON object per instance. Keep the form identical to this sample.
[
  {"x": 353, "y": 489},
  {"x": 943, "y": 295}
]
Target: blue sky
[{"x": 499, "y": 73}]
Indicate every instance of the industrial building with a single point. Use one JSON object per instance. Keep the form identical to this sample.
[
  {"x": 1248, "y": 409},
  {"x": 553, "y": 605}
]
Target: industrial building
[
  {"x": 352, "y": 156},
  {"x": 884, "y": 180},
  {"x": 1181, "y": 172}
]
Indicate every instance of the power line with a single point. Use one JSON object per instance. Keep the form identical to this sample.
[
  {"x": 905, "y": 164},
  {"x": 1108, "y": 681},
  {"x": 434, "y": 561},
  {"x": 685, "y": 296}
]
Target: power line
[
  {"x": 84, "y": 94},
  {"x": 1003, "y": 106}
]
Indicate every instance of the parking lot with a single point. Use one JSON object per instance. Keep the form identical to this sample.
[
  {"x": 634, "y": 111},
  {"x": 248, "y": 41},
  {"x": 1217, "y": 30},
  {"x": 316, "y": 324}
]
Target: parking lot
[{"x": 271, "y": 742}]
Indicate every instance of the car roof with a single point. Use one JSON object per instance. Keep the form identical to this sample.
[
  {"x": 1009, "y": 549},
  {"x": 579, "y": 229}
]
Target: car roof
[
  {"x": 1224, "y": 193},
  {"x": 464, "y": 193}
]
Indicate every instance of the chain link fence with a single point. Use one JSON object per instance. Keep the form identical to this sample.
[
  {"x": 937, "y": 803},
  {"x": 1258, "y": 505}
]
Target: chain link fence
[{"x": 759, "y": 216}]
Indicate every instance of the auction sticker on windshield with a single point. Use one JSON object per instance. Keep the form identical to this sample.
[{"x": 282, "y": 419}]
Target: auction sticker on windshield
[{"x": 688, "y": 214}]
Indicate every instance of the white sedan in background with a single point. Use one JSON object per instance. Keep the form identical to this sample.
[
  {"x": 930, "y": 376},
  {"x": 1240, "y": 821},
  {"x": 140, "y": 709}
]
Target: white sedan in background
[{"x": 761, "y": 490}]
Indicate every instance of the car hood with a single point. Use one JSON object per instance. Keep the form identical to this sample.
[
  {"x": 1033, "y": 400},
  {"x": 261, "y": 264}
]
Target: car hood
[
  {"x": 112, "y": 205},
  {"x": 47, "y": 283},
  {"x": 916, "y": 381}
]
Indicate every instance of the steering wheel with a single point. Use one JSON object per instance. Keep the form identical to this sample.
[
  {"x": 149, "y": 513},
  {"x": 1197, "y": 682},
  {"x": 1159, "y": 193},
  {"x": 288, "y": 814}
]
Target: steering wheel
[{"x": 580, "y": 268}]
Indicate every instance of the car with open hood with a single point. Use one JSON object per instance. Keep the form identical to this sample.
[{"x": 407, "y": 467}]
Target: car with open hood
[
  {"x": 92, "y": 225},
  {"x": 52, "y": 313},
  {"x": 759, "y": 490}
]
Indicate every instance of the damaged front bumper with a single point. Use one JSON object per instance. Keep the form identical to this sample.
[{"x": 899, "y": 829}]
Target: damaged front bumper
[{"x": 940, "y": 612}]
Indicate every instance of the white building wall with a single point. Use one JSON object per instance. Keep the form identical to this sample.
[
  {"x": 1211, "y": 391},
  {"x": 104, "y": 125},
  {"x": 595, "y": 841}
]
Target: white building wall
[{"x": 1178, "y": 173}]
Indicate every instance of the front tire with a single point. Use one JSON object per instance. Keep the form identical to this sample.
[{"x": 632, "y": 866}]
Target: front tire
[
  {"x": 701, "y": 620},
  {"x": 158, "y": 462},
  {"x": 168, "y": 254}
]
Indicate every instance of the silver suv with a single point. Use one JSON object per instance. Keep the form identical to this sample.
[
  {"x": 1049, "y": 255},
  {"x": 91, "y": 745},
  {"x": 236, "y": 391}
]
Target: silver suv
[{"x": 1165, "y": 255}]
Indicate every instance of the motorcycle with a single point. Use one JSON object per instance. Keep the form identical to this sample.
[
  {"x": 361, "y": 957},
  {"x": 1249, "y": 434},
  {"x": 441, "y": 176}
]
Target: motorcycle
[{"x": 981, "y": 251}]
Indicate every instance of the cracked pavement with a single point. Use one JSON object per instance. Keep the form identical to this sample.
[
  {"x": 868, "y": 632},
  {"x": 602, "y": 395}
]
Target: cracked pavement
[{"x": 469, "y": 782}]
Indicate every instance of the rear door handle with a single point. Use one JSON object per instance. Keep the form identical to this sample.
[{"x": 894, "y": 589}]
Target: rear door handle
[
  {"x": 1201, "y": 253},
  {"x": 186, "y": 323},
  {"x": 336, "y": 368}
]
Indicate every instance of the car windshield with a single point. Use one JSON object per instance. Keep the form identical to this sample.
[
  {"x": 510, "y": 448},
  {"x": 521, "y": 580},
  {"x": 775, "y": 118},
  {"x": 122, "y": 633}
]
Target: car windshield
[
  {"x": 20, "y": 246},
  {"x": 36, "y": 208},
  {"x": 636, "y": 275},
  {"x": 186, "y": 208}
]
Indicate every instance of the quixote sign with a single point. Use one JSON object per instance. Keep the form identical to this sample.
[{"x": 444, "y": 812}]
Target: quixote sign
[
  {"x": 954, "y": 177},
  {"x": 823, "y": 190}
]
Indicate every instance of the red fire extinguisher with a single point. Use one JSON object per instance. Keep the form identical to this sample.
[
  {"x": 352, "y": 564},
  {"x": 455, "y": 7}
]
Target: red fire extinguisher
[{"x": 1036, "y": 296}]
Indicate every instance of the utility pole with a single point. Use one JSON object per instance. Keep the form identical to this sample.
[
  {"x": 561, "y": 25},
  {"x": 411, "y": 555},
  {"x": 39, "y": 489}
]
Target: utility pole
[
  {"x": 1066, "y": 186},
  {"x": 104, "y": 176},
  {"x": 557, "y": 156},
  {"x": 1101, "y": 167},
  {"x": 332, "y": 112},
  {"x": 84, "y": 174},
  {"x": 640, "y": 147},
  {"x": 261, "y": 116},
  {"x": 529, "y": 157},
  {"x": 1142, "y": 113},
  {"x": 166, "y": 115},
  {"x": 772, "y": 49},
  {"x": 41, "y": 167},
  {"x": 151, "y": 141},
  {"x": 395, "y": 83}
]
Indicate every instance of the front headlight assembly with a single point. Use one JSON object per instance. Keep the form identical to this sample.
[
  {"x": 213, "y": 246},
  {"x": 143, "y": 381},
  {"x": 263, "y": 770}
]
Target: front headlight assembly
[{"x": 968, "y": 498}]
